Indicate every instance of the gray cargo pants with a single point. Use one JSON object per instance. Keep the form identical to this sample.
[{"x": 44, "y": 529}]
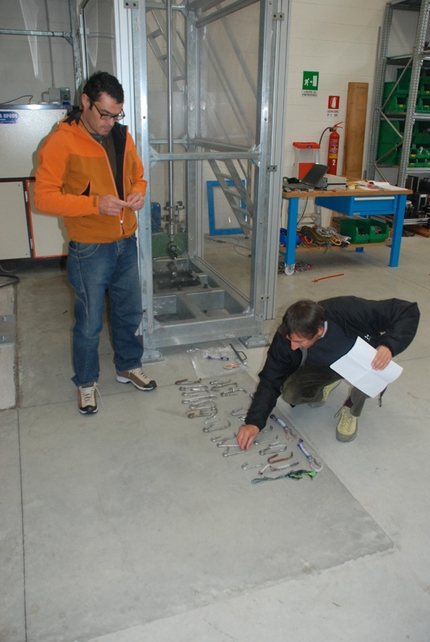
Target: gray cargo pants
[{"x": 307, "y": 383}]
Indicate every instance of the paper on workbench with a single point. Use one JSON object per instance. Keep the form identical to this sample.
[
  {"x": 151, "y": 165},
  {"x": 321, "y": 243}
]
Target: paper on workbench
[
  {"x": 372, "y": 185},
  {"x": 385, "y": 186},
  {"x": 356, "y": 369}
]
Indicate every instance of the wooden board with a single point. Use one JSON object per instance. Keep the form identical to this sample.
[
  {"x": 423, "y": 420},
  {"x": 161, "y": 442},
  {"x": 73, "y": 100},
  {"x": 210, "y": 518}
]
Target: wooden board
[
  {"x": 354, "y": 130},
  {"x": 418, "y": 229}
]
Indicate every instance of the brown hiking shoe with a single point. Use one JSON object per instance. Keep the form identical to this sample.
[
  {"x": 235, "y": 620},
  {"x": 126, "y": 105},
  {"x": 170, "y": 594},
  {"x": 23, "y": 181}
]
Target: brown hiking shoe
[
  {"x": 138, "y": 378},
  {"x": 87, "y": 402}
]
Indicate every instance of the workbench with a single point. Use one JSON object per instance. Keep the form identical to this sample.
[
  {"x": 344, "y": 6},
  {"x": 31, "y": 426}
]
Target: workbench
[{"x": 350, "y": 202}]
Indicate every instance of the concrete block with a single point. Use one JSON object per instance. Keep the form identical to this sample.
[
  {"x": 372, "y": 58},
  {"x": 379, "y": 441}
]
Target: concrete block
[{"x": 8, "y": 360}]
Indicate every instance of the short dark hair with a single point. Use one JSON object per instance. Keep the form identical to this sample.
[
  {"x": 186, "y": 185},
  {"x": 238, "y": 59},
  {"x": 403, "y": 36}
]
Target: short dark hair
[
  {"x": 304, "y": 318},
  {"x": 101, "y": 82}
]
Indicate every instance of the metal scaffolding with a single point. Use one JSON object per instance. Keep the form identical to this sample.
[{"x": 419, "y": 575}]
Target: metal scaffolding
[
  {"x": 209, "y": 80},
  {"x": 382, "y": 112}
]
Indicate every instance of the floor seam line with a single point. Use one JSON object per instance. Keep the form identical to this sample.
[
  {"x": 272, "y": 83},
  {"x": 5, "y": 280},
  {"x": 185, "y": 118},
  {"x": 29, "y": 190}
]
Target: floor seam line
[{"x": 22, "y": 531}]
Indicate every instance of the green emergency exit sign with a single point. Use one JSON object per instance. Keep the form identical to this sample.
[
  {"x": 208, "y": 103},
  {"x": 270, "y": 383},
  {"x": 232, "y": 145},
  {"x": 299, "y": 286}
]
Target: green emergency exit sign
[{"x": 310, "y": 80}]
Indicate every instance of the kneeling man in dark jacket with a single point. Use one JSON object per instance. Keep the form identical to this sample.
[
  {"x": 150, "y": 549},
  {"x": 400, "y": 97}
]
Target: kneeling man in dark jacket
[{"x": 311, "y": 337}]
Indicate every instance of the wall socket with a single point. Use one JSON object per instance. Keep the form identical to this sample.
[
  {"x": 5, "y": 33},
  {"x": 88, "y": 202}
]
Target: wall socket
[{"x": 60, "y": 95}]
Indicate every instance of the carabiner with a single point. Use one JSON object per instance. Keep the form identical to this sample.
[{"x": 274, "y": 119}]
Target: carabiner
[
  {"x": 203, "y": 412},
  {"x": 212, "y": 428}
]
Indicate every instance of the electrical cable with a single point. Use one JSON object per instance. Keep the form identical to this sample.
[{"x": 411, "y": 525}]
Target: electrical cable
[
  {"x": 303, "y": 213},
  {"x": 5, "y": 274},
  {"x": 7, "y": 102},
  {"x": 10, "y": 276},
  {"x": 234, "y": 244}
]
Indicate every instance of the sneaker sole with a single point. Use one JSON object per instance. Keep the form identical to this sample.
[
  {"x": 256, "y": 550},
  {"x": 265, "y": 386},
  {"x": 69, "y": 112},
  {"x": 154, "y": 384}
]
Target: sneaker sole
[
  {"x": 345, "y": 438},
  {"x": 88, "y": 412},
  {"x": 144, "y": 389}
]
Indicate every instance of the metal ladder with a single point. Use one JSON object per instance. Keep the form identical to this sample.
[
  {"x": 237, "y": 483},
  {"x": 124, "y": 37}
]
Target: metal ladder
[
  {"x": 225, "y": 172},
  {"x": 235, "y": 192},
  {"x": 160, "y": 33}
]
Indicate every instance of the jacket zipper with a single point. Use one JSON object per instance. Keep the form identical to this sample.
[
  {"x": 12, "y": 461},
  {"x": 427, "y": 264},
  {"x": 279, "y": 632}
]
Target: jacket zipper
[
  {"x": 121, "y": 214},
  {"x": 123, "y": 182}
]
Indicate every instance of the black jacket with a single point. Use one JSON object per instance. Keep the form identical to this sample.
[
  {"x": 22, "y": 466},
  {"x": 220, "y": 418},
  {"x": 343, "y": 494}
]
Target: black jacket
[{"x": 392, "y": 323}]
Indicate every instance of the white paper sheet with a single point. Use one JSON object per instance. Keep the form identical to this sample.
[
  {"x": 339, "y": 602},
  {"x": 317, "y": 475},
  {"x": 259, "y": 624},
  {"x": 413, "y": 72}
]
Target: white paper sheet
[
  {"x": 372, "y": 185},
  {"x": 356, "y": 369},
  {"x": 385, "y": 186}
]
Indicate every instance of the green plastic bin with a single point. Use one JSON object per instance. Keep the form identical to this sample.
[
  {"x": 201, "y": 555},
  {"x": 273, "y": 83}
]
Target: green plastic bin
[
  {"x": 362, "y": 230},
  {"x": 379, "y": 231},
  {"x": 357, "y": 228}
]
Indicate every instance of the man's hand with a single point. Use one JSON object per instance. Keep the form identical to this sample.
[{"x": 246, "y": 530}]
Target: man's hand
[
  {"x": 246, "y": 435},
  {"x": 135, "y": 201},
  {"x": 111, "y": 205},
  {"x": 382, "y": 358}
]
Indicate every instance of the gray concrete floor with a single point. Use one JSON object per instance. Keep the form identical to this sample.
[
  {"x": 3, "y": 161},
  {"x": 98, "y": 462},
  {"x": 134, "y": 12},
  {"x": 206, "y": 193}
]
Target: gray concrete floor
[{"x": 58, "y": 541}]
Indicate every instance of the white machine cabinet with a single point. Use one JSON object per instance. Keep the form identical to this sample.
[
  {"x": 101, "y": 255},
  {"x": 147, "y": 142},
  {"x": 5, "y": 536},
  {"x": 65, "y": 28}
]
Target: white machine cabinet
[
  {"x": 14, "y": 237},
  {"x": 26, "y": 233}
]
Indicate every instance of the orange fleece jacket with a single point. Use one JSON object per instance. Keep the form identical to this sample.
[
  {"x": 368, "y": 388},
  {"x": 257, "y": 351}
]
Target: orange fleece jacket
[{"x": 74, "y": 170}]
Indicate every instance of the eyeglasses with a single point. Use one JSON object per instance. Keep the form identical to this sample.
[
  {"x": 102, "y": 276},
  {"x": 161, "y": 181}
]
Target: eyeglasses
[{"x": 107, "y": 116}]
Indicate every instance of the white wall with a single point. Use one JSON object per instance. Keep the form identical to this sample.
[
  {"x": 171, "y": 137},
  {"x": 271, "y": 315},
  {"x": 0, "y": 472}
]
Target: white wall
[
  {"x": 339, "y": 39},
  {"x": 30, "y": 64}
]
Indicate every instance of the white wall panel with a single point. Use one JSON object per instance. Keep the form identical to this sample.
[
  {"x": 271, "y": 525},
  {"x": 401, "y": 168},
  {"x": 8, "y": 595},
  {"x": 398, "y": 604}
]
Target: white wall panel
[
  {"x": 27, "y": 61},
  {"x": 339, "y": 39},
  {"x": 14, "y": 238}
]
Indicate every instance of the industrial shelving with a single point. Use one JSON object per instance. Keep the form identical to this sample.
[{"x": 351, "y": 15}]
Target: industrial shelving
[{"x": 401, "y": 117}]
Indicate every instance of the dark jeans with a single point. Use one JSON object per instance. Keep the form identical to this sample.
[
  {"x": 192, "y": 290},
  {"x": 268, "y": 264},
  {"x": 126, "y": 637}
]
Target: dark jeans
[
  {"x": 307, "y": 383},
  {"x": 93, "y": 269}
]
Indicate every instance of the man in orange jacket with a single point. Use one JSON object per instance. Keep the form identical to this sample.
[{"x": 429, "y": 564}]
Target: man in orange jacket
[{"x": 90, "y": 173}]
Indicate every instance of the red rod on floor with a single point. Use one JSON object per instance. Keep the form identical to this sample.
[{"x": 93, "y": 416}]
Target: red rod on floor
[{"x": 327, "y": 277}]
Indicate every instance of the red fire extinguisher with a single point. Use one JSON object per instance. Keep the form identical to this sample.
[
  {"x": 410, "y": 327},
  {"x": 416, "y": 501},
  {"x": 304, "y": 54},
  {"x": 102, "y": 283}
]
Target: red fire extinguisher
[{"x": 333, "y": 147}]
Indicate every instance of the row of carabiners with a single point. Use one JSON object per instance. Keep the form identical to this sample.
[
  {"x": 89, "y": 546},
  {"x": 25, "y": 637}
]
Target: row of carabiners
[{"x": 198, "y": 397}]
